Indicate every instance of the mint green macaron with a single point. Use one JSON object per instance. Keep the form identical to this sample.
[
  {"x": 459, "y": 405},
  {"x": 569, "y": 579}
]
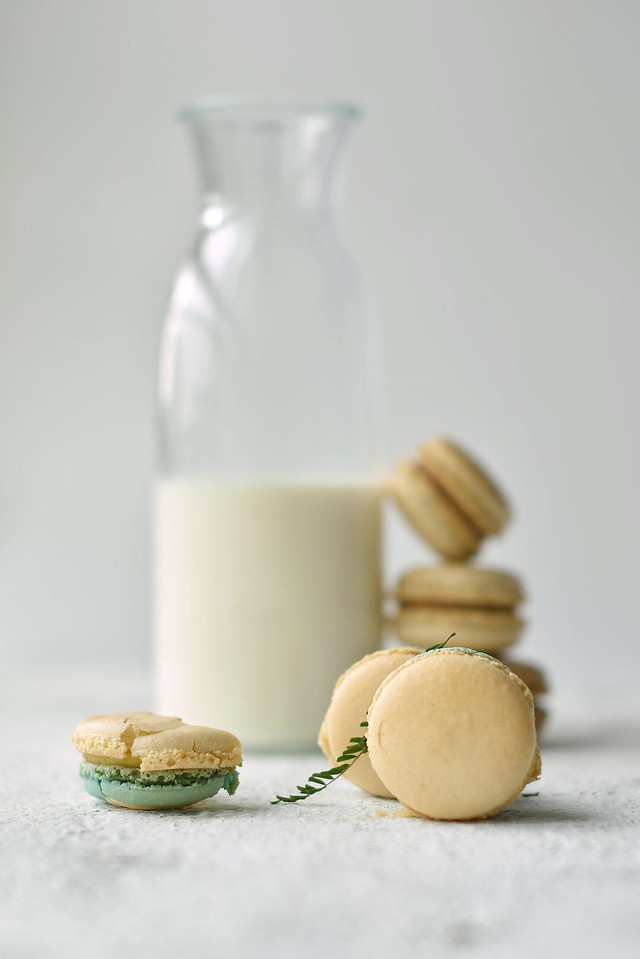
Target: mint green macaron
[{"x": 124, "y": 786}]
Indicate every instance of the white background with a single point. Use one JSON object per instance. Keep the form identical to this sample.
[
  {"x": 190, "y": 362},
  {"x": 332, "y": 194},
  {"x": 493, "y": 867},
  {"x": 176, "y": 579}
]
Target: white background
[{"x": 494, "y": 204}]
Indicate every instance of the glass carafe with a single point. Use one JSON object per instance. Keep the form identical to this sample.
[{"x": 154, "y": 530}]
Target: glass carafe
[{"x": 267, "y": 501}]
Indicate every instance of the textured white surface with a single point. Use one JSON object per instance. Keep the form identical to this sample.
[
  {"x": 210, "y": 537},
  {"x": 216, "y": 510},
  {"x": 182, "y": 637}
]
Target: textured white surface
[{"x": 556, "y": 875}]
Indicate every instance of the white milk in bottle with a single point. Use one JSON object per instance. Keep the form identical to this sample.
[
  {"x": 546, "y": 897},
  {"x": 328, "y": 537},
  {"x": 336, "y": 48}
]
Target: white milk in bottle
[{"x": 265, "y": 595}]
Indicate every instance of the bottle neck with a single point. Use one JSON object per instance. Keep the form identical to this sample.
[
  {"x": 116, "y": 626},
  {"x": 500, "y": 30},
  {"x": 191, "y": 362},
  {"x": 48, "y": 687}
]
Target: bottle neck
[{"x": 264, "y": 159}]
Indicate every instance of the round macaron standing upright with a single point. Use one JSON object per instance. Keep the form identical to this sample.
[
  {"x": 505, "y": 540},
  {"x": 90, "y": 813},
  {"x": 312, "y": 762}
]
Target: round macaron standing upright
[
  {"x": 467, "y": 484},
  {"x": 143, "y": 761},
  {"x": 451, "y": 734},
  {"x": 351, "y": 699},
  {"x": 429, "y": 511},
  {"x": 449, "y": 499}
]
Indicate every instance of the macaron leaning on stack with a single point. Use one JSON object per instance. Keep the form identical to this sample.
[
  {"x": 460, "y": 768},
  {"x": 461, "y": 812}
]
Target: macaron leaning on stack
[
  {"x": 448, "y": 498},
  {"x": 143, "y": 761},
  {"x": 351, "y": 699}
]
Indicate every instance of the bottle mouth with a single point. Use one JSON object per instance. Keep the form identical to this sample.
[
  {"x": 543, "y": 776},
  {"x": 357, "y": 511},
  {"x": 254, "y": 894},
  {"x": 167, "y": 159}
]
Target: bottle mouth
[{"x": 251, "y": 109}]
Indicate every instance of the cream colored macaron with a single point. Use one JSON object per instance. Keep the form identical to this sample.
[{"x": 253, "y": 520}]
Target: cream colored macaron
[
  {"x": 431, "y": 513},
  {"x": 487, "y": 630},
  {"x": 466, "y": 483},
  {"x": 150, "y": 742},
  {"x": 351, "y": 699},
  {"x": 460, "y": 584},
  {"x": 452, "y": 735},
  {"x": 142, "y": 761}
]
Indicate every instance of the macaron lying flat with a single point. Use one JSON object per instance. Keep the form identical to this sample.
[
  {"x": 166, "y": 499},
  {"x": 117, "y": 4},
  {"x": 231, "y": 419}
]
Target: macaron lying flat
[
  {"x": 451, "y": 734},
  {"x": 475, "y": 603},
  {"x": 487, "y": 630},
  {"x": 143, "y": 761},
  {"x": 459, "y": 584},
  {"x": 351, "y": 699}
]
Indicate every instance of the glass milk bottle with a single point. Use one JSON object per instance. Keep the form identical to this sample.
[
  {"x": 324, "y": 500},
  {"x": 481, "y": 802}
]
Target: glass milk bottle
[{"x": 267, "y": 503}]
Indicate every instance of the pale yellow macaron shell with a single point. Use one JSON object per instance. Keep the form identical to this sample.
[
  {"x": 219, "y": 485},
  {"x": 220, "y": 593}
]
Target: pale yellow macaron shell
[
  {"x": 431, "y": 513},
  {"x": 487, "y": 630},
  {"x": 460, "y": 584},
  {"x": 109, "y": 736},
  {"x": 188, "y": 747},
  {"x": 150, "y": 742},
  {"x": 351, "y": 699},
  {"x": 452, "y": 735},
  {"x": 466, "y": 482}
]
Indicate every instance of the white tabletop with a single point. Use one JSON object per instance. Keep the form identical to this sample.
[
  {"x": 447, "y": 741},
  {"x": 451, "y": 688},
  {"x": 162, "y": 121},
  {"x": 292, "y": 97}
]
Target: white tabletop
[{"x": 553, "y": 875}]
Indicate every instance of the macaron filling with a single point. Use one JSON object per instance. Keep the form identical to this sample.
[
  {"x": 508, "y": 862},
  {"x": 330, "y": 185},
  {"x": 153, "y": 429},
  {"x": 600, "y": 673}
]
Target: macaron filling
[
  {"x": 450, "y": 498},
  {"x": 155, "y": 789},
  {"x": 466, "y": 483}
]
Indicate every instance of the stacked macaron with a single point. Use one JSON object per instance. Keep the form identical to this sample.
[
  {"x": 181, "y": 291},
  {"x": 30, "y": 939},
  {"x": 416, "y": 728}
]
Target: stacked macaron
[
  {"x": 478, "y": 604},
  {"x": 351, "y": 699},
  {"x": 453, "y": 504},
  {"x": 144, "y": 761},
  {"x": 449, "y": 499}
]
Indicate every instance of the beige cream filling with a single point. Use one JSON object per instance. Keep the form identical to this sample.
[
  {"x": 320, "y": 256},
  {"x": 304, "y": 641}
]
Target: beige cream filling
[
  {"x": 102, "y": 746},
  {"x": 452, "y": 605},
  {"x": 183, "y": 759},
  {"x": 451, "y": 500},
  {"x": 130, "y": 761},
  {"x": 169, "y": 759}
]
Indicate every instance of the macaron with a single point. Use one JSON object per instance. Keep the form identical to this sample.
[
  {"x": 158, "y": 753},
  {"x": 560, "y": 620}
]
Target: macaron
[
  {"x": 467, "y": 483},
  {"x": 143, "y": 761},
  {"x": 351, "y": 699},
  {"x": 449, "y": 499},
  {"x": 476, "y": 603},
  {"x": 486, "y": 630},
  {"x": 460, "y": 584},
  {"x": 452, "y": 735},
  {"x": 431, "y": 513}
]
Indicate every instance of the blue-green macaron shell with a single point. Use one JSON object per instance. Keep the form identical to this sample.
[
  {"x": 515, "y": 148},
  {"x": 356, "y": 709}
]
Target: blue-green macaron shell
[{"x": 153, "y": 790}]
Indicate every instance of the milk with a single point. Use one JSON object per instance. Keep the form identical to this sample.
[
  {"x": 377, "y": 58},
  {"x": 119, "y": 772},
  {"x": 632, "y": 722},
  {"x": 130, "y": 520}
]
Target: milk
[{"x": 264, "y": 595}]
